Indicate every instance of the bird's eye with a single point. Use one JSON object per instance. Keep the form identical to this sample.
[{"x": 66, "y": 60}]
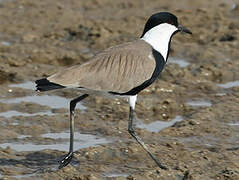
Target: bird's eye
[{"x": 170, "y": 22}]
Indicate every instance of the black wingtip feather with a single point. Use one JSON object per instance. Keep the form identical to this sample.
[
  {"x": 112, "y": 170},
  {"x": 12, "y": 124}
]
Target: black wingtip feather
[{"x": 45, "y": 85}]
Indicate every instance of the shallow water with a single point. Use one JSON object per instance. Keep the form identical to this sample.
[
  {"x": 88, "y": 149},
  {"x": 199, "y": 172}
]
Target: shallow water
[
  {"x": 23, "y": 136},
  {"x": 229, "y": 84},
  {"x": 52, "y": 101},
  {"x": 23, "y": 176},
  {"x": 157, "y": 126},
  {"x": 81, "y": 141},
  {"x": 199, "y": 103},
  {"x": 197, "y": 142},
  {"x": 25, "y": 85},
  {"x": 115, "y": 174},
  {"x": 181, "y": 62},
  {"x": 6, "y": 43},
  {"x": 233, "y": 124},
  {"x": 45, "y": 100},
  {"x": 10, "y": 114},
  {"x": 27, "y": 58}
]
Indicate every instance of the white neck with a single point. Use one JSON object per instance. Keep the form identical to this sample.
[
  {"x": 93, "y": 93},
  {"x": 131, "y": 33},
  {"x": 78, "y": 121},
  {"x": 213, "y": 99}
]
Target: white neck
[{"x": 159, "y": 38}]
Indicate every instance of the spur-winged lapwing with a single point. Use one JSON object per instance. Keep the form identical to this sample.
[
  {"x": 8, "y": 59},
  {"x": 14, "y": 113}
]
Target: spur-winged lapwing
[{"x": 121, "y": 71}]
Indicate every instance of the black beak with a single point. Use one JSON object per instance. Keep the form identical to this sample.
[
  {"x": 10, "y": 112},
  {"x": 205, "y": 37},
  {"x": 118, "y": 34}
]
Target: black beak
[{"x": 183, "y": 29}]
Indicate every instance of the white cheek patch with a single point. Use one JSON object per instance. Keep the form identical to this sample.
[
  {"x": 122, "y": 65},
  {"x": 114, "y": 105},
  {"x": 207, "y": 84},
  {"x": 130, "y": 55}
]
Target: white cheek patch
[{"x": 159, "y": 37}]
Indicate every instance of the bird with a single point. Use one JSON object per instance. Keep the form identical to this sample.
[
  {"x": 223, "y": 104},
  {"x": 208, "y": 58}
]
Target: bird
[{"x": 120, "y": 71}]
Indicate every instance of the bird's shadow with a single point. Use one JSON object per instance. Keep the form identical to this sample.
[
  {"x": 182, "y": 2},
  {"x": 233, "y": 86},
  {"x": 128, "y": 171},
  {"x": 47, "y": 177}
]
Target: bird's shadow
[{"x": 38, "y": 161}]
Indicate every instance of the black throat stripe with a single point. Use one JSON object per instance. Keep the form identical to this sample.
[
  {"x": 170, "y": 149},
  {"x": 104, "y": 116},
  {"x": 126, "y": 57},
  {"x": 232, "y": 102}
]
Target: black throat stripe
[
  {"x": 169, "y": 49},
  {"x": 160, "y": 62}
]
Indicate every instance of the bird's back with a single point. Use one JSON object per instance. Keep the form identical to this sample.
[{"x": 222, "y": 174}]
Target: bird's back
[{"x": 116, "y": 69}]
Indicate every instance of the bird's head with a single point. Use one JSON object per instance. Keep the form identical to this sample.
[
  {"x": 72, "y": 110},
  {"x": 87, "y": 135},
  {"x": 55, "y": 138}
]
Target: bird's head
[
  {"x": 159, "y": 29},
  {"x": 164, "y": 20}
]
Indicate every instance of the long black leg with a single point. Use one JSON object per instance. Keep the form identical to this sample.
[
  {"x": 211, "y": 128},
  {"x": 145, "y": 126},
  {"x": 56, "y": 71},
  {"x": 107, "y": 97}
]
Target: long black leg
[
  {"x": 67, "y": 159},
  {"x": 132, "y": 133}
]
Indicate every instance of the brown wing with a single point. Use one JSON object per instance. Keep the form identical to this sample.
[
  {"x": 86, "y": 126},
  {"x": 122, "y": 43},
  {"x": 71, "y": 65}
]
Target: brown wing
[{"x": 117, "y": 69}]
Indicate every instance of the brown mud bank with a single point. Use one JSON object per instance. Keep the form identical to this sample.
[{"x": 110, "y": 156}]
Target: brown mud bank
[{"x": 188, "y": 118}]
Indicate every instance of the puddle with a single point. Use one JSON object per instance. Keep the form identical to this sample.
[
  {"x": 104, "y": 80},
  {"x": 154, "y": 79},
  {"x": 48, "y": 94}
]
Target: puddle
[
  {"x": 25, "y": 85},
  {"x": 115, "y": 174},
  {"x": 45, "y": 100},
  {"x": 229, "y": 84},
  {"x": 199, "y": 103},
  {"x": 14, "y": 123},
  {"x": 157, "y": 126},
  {"x": 198, "y": 142},
  {"x": 233, "y": 124},
  {"x": 10, "y": 114},
  {"x": 23, "y": 176},
  {"x": 221, "y": 94},
  {"x": 81, "y": 141},
  {"x": 3, "y": 1},
  {"x": 53, "y": 101},
  {"x": 5, "y": 43},
  {"x": 181, "y": 62},
  {"x": 23, "y": 136}
]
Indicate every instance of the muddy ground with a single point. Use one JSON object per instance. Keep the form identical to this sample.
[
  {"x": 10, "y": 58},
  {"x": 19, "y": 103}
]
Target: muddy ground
[{"x": 188, "y": 118}]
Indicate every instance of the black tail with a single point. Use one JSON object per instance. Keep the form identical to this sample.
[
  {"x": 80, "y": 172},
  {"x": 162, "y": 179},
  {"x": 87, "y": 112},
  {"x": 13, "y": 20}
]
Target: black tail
[{"x": 45, "y": 85}]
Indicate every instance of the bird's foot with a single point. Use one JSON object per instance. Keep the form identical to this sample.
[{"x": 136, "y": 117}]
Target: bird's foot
[
  {"x": 66, "y": 160},
  {"x": 160, "y": 165}
]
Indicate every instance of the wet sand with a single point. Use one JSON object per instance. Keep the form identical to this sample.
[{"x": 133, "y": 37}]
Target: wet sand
[{"x": 188, "y": 118}]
